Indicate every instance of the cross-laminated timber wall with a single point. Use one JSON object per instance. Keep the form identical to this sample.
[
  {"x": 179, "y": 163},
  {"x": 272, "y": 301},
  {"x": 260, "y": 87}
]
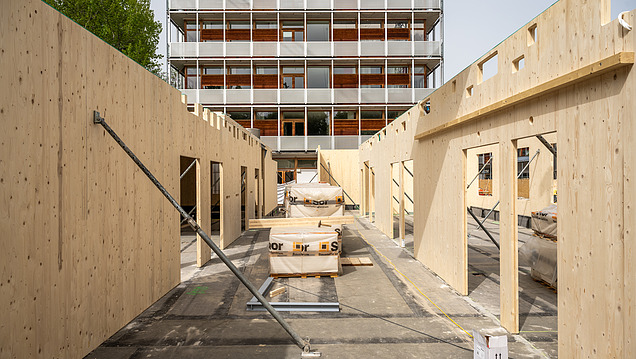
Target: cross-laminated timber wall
[
  {"x": 578, "y": 81},
  {"x": 87, "y": 241}
]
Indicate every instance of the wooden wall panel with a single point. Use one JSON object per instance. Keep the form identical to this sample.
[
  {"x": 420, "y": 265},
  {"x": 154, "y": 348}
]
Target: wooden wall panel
[
  {"x": 341, "y": 165},
  {"x": 89, "y": 242},
  {"x": 371, "y": 34},
  {"x": 265, "y": 81},
  {"x": 591, "y": 118},
  {"x": 345, "y": 34},
  {"x": 265, "y": 35}
]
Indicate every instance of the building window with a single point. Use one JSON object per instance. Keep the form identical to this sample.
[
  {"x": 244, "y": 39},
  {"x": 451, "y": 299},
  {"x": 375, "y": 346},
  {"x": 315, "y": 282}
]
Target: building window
[
  {"x": 212, "y": 31},
  {"x": 239, "y": 77},
  {"x": 372, "y": 30},
  {"x": 419, "y": 77},
  {"x": 398, "y": 76},
  {"x": 212, "y": 77},
  {"x": 191, "y": 31},
  {"x": 265, "y": 31},
  {"x": 345, "y": 123},
  {"x": 270, "y": 24},
  {"x": 392, "y": 114},
  {"x": 371, "y": 121},
  {"x": 293, "y": 123},
  {"x": 318, "y": 123},
  {"x": 243, "y": 118},
  {"x": 345, "y": 30},
  {"x": 345, "y": 77},
  {"x": 398, "y": 29},
  {"x": 523, "y": 172},
  {"x": 238, "y": 30},
  {"x": 318, "y": 30},
  {"x": 293, "y": 31},
  {"x": 318, "y": 77},
  {"x": 293, "y": 77},
  {"x": 192, "y": 78},
  {"x": 267, "y": 122},
  {"x": 265, "y": 77},
  {"x": 485, "y": 177},
  {"x": 372, "y": 76},
  {"x": 419, "y": 33}
]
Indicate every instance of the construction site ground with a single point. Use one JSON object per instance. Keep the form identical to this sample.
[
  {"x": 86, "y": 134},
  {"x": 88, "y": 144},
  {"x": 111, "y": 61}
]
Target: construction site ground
[{"x": 395, "y": 308}]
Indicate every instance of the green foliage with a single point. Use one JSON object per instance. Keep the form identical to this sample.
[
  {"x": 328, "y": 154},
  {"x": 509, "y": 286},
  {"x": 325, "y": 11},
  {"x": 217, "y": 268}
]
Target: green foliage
[{"x": 127, "y": 25}]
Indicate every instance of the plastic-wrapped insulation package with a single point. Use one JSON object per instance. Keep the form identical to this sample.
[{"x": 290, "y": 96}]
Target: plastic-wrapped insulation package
[
  {"x": 544, "y": 222},
  {"x": 303, "y": 250},
  {"x": 540, "y": 255},
  {"x": 314, "y": 200}
]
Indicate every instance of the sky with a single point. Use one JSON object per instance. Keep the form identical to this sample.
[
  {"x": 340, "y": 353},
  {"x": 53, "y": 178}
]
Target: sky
[{"x": 471, "y": 28}]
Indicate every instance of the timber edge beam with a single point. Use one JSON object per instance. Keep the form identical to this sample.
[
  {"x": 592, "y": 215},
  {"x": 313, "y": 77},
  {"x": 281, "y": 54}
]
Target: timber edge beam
[
  {"x": 299, "y": 222},
  {"x": 584, "y": 73}
]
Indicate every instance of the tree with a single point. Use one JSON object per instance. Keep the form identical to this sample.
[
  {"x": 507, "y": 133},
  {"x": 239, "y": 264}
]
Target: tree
[{"x": 127, "y": 25}]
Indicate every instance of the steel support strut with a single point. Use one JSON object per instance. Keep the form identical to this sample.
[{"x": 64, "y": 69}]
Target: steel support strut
[{"x": 301, "y": 343}]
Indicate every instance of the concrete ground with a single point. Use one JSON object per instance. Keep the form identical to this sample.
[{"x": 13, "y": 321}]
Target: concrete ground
[
  {"x": 537, "y": 301},
  {"x": 383, "y": 314}
]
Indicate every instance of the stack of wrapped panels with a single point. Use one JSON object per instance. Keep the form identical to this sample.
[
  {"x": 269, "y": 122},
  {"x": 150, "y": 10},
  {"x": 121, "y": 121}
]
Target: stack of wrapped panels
[
  {"x": 303, "y": 251},
  {"x": 313, "y": 200}
]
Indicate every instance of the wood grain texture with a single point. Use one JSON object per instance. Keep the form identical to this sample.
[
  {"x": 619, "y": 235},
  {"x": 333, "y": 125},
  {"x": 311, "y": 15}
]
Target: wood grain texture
[
  {"x": 299, "y": 222},
  {"x": 89, "y": 242}
]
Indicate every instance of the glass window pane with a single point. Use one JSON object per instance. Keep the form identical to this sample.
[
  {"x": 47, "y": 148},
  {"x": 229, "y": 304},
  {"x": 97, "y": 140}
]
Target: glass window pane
[
  {"x": 318, "y": 31},
  {"x": 287, "y": 35},
  {"x": 293, "y": 115},
  {"x": 293, "y": 24},
  {"x": 298, "y": 36},
  {"x": 372, "y": 115},
  {"x": 393, "y": 114},
  {"x": 213, "y": 25},
  {"x": 398, "y": 24},
  {"x": 299, "y": 82},
  {"x": 345, "y": 115},
  {"x": 266, "y": 25},
  {"x": 317, "y": 123},
  {"x": 285, "y": 164},
  {"x": 240, "y": 115},
  {"x": 288, "y": 128},
  {"x": 288, "y": 82},
  {"x": 370, "y": 69},
  {"x": 213, "y": 70},
  {"x": 293, "y": 70},
  {"x": 239, "y": 25},
  {"x": 418, "y": 81},
  {"x": 419, "y": 70},
  {"x": 300, "y": 128},
  {"x": 371, "y": 24},
  {"x": 193, "y": 36},
  {"x": 240, "y": 71},
  {"x": 307, "y": 163},
  {"x": 318, "y": 77},
  {"x": 344, "y": 70},
  {"x": 397, "y": 70},
  {"x": 267, "y": 71},
  {"x": 266, "y": 115},
  {"x": 344, "y": 24}
]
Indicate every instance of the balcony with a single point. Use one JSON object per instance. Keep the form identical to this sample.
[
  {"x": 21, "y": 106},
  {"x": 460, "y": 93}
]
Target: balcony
[
  {"x": 300, "y": 4},
  {"x": 311, "y": 143},
  {"x": 368, "y": 95},
  {"x": 422, "y": 93},
  {"x": 306, "y": 49}
]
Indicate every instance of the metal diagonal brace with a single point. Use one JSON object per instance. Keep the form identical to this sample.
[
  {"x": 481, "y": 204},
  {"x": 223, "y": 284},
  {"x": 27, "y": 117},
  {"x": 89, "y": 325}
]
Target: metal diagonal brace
[
  {"x": 301, "y": 343},
  {"x": 547, "y": 145},
  {"x": 482, "y": 227},
  {"x": 345, "y": 192}
]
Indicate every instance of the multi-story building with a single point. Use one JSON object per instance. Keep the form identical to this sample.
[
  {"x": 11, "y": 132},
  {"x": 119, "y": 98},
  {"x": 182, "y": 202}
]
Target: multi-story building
[{"x": 307, "y": 73}]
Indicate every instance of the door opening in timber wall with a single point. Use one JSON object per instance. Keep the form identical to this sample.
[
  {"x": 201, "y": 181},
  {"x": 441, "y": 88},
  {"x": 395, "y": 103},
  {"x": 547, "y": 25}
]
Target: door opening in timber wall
[
  {"x": 243, "y": 197},
  {"x": 190, "y": 201},
  {"x": 216, "y": 199}
]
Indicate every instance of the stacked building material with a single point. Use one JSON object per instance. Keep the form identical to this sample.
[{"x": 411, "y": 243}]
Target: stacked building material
[{"x": 303, "y": 251}]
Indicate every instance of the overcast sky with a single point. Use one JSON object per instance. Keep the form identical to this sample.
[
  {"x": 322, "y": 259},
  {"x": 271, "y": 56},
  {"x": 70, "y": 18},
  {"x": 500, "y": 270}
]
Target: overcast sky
[{"x": 471, "y": 28}]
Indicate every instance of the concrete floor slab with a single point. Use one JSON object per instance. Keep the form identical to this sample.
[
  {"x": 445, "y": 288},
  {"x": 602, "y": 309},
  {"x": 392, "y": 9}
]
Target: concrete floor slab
[{"x": 382, "y": 314}]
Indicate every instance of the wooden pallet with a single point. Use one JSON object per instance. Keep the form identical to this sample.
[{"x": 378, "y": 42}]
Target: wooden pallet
[
  {"x": 303, "y": 275},
  {"x": 354, "y": 261}
]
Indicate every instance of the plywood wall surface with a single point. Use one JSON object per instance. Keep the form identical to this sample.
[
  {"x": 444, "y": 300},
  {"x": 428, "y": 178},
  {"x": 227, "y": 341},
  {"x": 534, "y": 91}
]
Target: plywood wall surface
[
  {"x": 593, "y": 116},
  {"x": 343, "y": 166},
  {"x": 88, "y": 242}
]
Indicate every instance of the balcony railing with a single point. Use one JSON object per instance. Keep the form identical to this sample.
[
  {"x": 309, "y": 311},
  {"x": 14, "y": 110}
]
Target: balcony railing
[
  {"x": 311, "y": 143},
  {"x": 307, "y": 96},
  {"x": 306, "y": 49},
  {"x": 301, "y": 4}
]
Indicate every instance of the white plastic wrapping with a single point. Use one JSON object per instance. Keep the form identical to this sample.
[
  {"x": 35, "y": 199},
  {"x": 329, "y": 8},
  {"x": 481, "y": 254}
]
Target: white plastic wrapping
[
  {"x": 541, "y": 256},
  {"x": 314, "y": 200},
  {"x": 304, "y": 250},
  {"x": 544, "y": 222}
]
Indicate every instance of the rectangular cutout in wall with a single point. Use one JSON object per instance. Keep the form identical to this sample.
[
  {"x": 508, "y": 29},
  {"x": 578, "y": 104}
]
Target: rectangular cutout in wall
[
  {"x": 454, "y": 86},
  {"x": 518, "y": 64},
  {"x": 488, "y": 67},
  {"x": 469, "y": 91},
  {"x": 216, "y": 199},
  {"x": 532, "y": 34}
]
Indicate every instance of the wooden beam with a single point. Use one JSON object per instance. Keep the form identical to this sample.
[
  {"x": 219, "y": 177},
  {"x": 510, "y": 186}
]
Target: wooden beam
[
  {"x": 299, "y": 222},
  {"x": 584, "y": 73}
]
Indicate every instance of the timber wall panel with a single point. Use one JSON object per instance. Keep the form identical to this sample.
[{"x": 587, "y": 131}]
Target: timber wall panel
[
  {"x": 343, "y": 167},
  {"x": 594, "y": 123},
  {"x": 88, "y": 241}
]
